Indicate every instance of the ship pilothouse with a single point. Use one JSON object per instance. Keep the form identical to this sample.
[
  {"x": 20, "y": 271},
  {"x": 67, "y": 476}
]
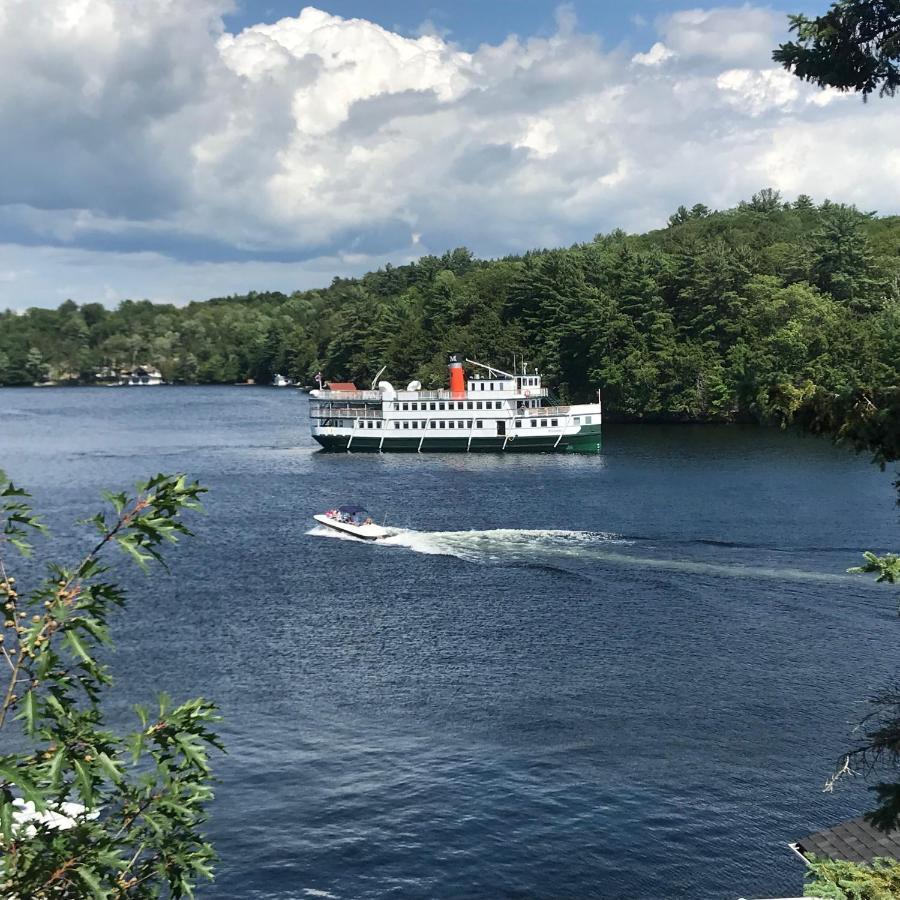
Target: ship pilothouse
[{"x": 490, "y": 410}]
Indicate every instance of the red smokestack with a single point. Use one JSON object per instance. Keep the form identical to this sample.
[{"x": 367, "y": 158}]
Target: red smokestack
[{"x": 457, "y": 376}]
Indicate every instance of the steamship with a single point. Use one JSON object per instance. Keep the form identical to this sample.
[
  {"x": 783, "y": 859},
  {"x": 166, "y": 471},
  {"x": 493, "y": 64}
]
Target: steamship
[{"x": 490, "y": 410}]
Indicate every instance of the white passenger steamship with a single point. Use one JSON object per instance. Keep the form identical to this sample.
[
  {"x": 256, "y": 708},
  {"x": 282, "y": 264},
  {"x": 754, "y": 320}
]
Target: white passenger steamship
[{"x": 492, "y": 410}]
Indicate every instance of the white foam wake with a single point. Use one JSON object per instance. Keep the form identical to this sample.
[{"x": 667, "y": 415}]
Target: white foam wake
[
  {"x": 492, "y": 545},
  {"x": 500, "y": 544},
  {"x": 522, "y": 546}
]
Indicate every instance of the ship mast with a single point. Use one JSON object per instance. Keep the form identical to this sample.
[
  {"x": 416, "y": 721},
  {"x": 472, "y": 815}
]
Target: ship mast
[{"x": 491, "y": 370}]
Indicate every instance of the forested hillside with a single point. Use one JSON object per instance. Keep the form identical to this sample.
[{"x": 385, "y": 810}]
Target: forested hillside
[{"x": 737, "y": 314}]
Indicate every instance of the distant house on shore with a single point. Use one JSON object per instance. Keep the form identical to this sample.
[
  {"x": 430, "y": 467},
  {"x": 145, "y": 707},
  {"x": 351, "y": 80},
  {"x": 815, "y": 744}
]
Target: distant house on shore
[{"x": 141, "y": 375}]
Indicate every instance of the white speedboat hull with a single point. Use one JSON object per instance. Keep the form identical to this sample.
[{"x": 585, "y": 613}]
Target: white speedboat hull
[{"x": 366, "y": 532}]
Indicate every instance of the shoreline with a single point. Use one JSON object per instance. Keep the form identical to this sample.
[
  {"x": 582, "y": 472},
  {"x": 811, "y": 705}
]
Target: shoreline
[{"x": 609, "y": 418}]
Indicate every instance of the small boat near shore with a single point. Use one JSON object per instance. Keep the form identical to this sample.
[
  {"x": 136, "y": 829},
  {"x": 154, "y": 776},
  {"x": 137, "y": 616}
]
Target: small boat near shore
[{"x": 353, "y": 520}]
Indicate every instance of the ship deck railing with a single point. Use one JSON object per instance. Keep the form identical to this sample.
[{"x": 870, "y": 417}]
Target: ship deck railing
[
  {"x": 471, "y": 394},
  {"x": 361, "y": 412},
  {"x": 345, "y": 412},
  {"x": 348, "y": 396},
  {"x": 442, "y": 394}
]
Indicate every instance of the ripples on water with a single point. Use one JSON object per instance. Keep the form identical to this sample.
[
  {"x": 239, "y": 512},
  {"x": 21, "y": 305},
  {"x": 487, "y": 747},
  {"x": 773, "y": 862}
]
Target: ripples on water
[{"x": 619, "y": 676}]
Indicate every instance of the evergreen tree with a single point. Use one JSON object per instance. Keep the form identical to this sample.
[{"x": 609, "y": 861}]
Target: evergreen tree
[
  {"x": 843, "y": 263},
  {"x": 852, "y": 47}
]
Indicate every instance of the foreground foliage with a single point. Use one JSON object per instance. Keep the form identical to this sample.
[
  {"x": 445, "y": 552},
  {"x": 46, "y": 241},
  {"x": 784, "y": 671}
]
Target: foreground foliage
[
  {"x": 85, "y": 812},
  {"x": 876, "y": 751},
  {"x": 854, "y": 46},
  {"x": 831, "y": 879},
  {"x": 868, "y": 421}
]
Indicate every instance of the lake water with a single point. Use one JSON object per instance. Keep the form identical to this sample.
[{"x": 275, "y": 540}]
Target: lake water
[{"x": 623, "y": 675}]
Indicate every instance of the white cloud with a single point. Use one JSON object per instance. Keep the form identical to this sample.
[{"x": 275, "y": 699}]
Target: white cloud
[
  {"x": 656, "y": 55},
  {"x": 133, "y": 129},
  {"x": 726, "y": 34},
  {"x": 759, "y": 91}
]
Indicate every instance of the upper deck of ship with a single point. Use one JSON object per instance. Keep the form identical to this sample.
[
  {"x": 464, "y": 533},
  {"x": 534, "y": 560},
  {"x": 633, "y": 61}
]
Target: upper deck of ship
[{"x": 495, "y": 384}]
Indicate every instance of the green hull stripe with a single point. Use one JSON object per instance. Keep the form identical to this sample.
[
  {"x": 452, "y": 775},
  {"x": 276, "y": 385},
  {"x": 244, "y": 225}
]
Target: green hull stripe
[{"x": 587, "y": 439}]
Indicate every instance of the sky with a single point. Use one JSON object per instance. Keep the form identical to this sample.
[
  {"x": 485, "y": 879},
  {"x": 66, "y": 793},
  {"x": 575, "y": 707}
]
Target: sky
[
  {"x": 181, "y": 149},
  {"x": 473, "y": 22}
]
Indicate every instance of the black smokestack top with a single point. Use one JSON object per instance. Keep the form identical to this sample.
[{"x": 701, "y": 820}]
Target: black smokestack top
[{"x": 456, "y": 357}]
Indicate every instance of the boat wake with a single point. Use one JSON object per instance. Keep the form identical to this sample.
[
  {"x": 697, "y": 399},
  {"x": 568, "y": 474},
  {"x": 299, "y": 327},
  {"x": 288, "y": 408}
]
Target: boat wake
[
  {"x": 491, "y": 545},
  {"x": 563, "y": 550},
  {"x": 503, "y": 545}
]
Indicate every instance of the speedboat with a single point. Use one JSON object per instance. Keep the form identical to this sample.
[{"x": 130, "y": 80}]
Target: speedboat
[{"x": 352, "y": 520}]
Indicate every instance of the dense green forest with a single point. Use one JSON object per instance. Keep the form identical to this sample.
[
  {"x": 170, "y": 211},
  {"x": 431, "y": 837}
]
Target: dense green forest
[{"x": 746, "y": 313}]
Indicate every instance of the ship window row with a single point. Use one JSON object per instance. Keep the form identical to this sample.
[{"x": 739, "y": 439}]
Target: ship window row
[
  {"x": 458, "y": 404},
  {"x": 533, "y": 422},
  {"x": 422, "y": 423},
  {"x": 543, "y": 423},
  {"x": 437, "y": 424}
]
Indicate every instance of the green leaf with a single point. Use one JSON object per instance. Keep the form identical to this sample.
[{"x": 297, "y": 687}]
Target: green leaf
[
  {"x": 29, "y": 789},
  {"x": 93, "y": 883},
  {"x": 73, "y": 641},
  {"x": 100, "y": 632},
  {"x": 135, "y": 744},
  {"x": 85, "y": 782},
  {"x": 111, "y": 768},
  {"x": 27, "y": 711},
  {"x": 128, "y": 544},
  {"x": 6, "y": 812},
  {"x": 53, "y": 773},
  {"x": 22, "y": 546},
  {"x": 117, "y": 500},
  {"x": 886, "y": 567},
  {"x": 153, "y": 822},
  {"x": 53, "y": 702},
  {"x": 111, "y": 859}
]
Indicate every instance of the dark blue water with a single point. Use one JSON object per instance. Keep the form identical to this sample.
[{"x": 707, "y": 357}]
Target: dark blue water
[{"x": 619, "y": 676}]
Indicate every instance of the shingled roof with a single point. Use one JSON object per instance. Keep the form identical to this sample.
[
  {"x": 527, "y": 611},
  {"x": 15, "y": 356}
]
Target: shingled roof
[{"x": 854, "y": 841}]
